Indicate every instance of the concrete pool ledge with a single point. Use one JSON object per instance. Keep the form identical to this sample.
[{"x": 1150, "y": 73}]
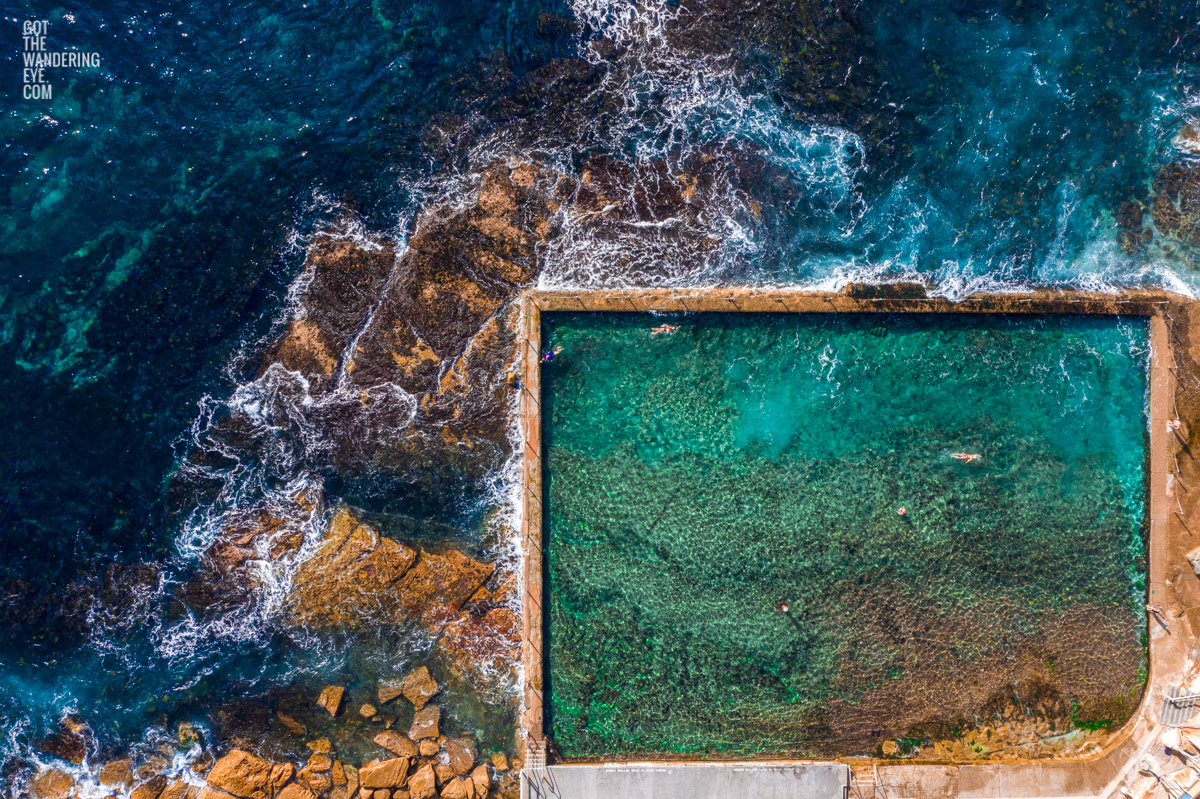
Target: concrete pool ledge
[{"x": 1173, "y": 513}]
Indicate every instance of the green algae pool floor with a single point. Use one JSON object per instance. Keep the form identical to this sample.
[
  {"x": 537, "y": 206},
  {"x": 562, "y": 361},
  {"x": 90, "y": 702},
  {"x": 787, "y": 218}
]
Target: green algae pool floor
[{"x": 697, "y": 481}]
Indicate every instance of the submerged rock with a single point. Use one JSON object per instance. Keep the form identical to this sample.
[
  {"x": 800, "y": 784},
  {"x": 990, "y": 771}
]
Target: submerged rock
[
  {"x": 483, "y": 649},
  {"x": 1177, "y": 201},
  {"x": 1187, "y": 140},
  {"x": 71, "y": 742}
]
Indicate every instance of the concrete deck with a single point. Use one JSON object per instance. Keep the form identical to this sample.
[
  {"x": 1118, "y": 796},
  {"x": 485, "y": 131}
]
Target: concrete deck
[
  {"x": 1172, "y": 514},
  {"x": 691, "y": 781}
]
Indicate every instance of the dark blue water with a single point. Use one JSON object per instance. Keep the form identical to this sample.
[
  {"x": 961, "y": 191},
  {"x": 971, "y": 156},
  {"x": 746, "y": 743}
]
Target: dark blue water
[{"x": 158, "y": 208}]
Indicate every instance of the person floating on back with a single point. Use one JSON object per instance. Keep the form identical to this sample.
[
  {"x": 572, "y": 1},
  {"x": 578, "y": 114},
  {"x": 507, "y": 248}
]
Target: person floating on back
[
  {"x": 966, "y": 457},
  {"x": 668, "y": 329}
]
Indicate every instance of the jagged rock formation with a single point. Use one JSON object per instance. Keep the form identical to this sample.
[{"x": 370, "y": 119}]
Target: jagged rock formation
[{"x": 358, "y": 576}]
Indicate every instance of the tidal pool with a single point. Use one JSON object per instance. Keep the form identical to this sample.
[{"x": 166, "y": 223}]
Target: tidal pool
[{"x": 699, "y": 480}]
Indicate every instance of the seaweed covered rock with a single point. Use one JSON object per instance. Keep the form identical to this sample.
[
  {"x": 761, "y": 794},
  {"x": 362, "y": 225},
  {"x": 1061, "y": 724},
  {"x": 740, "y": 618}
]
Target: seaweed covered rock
[
  {"x": 1177, "y": 201},
  {"x": 345, "y": 279}
]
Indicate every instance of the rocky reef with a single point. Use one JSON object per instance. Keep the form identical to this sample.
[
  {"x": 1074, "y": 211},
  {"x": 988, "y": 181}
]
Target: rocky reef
[{"x": 420, "y": 762}]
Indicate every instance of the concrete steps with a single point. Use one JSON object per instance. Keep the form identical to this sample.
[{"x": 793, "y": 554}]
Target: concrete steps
[{"x": 864, "y": 782}]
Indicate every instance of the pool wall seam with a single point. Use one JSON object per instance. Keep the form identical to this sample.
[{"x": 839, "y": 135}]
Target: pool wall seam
[{"x": 1095, "y": 774}]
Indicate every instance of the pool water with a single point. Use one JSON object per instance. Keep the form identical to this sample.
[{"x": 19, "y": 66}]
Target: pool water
[{"x": 699, "y": 480}]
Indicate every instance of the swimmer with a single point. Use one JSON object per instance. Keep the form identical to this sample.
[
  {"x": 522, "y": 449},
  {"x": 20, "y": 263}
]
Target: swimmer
[
  {"x": 549, "y": 356},
  {"x": 784, "y": 608},
  {"x": 668, "y": 329},
  {"x": 902, "y": 511},
  {"x": 966, "y": 457}
]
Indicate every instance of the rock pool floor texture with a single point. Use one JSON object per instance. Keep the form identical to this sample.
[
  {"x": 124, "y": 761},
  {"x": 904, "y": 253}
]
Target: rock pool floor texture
[
  {"x": 702, "y": 477},
  {"x": 1108, "y": 765}
]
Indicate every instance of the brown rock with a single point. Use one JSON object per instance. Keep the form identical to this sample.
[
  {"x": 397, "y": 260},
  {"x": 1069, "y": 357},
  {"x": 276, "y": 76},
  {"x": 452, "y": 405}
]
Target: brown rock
[
  {"x": 331, "y": 698},
  {"x": 296, "y": 790},
  {"x": 437, "y": 586},
  {"x": 352, "y": 575},
  {"x": 209, "y": 792},
  {"x": 178, "y": 789},
  {"x": 150, "y": 789},
  {"x": 384, "y": 773},
  {"x": 151, "y": 766},
  {"x": 367, "y": 710},
  {"x": 280, "y": 774},
  {"x": 70, "y": 742},
  {"x": 338, "y": 773},
  {"x": 318, "y": 781},
  {"x": 320, "y": 762},
  {"x": 389, "y": 689},
  {"x": 482, "y": 779},
  {"x": 458, "y": 788},
  {"x": 462, "y": 754},
  {"x": 291, "y": 724},
  {"x": 428, "y": 747},
  {"x": 443, "y": 773},
  {"x": 344, "y": 284},
  {"x": 423, "y": 784},
  {"x": 352, "y": 782},
  {"x": 499, "y": 761},
  {"x": 321, "y": 745},
  {"x": 243, "y": 774},
  {"x": 51, "y": 783},
  {"x": 425, "y": 723},
  {"x": 396, "y": 743},
  {"x": 419, "y": 687},
  {"x": 480, "y": 648},
  {"x": 117, "y": 773}
]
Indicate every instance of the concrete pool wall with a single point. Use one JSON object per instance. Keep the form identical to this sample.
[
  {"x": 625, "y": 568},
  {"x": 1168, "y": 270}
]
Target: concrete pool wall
[{"x": 1171, "y": 512}]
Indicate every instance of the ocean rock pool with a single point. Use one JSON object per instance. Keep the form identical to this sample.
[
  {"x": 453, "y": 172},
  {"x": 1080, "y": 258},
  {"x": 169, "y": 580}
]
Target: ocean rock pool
[{"x": 699, "y": 481}]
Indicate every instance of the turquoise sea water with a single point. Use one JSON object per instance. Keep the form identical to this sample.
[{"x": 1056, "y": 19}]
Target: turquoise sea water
[
  {"x": 698, "y": 480},
  {"x": 155, "y": 214}
]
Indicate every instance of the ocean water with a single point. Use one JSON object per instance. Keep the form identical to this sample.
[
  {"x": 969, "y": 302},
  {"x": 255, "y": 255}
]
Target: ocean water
[
  {"x": 698, "y": 481},
  {"x": 158, "y": 210}
]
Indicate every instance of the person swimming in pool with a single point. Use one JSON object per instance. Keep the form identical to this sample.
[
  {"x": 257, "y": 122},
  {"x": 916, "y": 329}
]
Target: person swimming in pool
[
  {"x": 966, "y": 457},
  {"x": 549, "y": 356},
  {"x": 667, "y": 329}
]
